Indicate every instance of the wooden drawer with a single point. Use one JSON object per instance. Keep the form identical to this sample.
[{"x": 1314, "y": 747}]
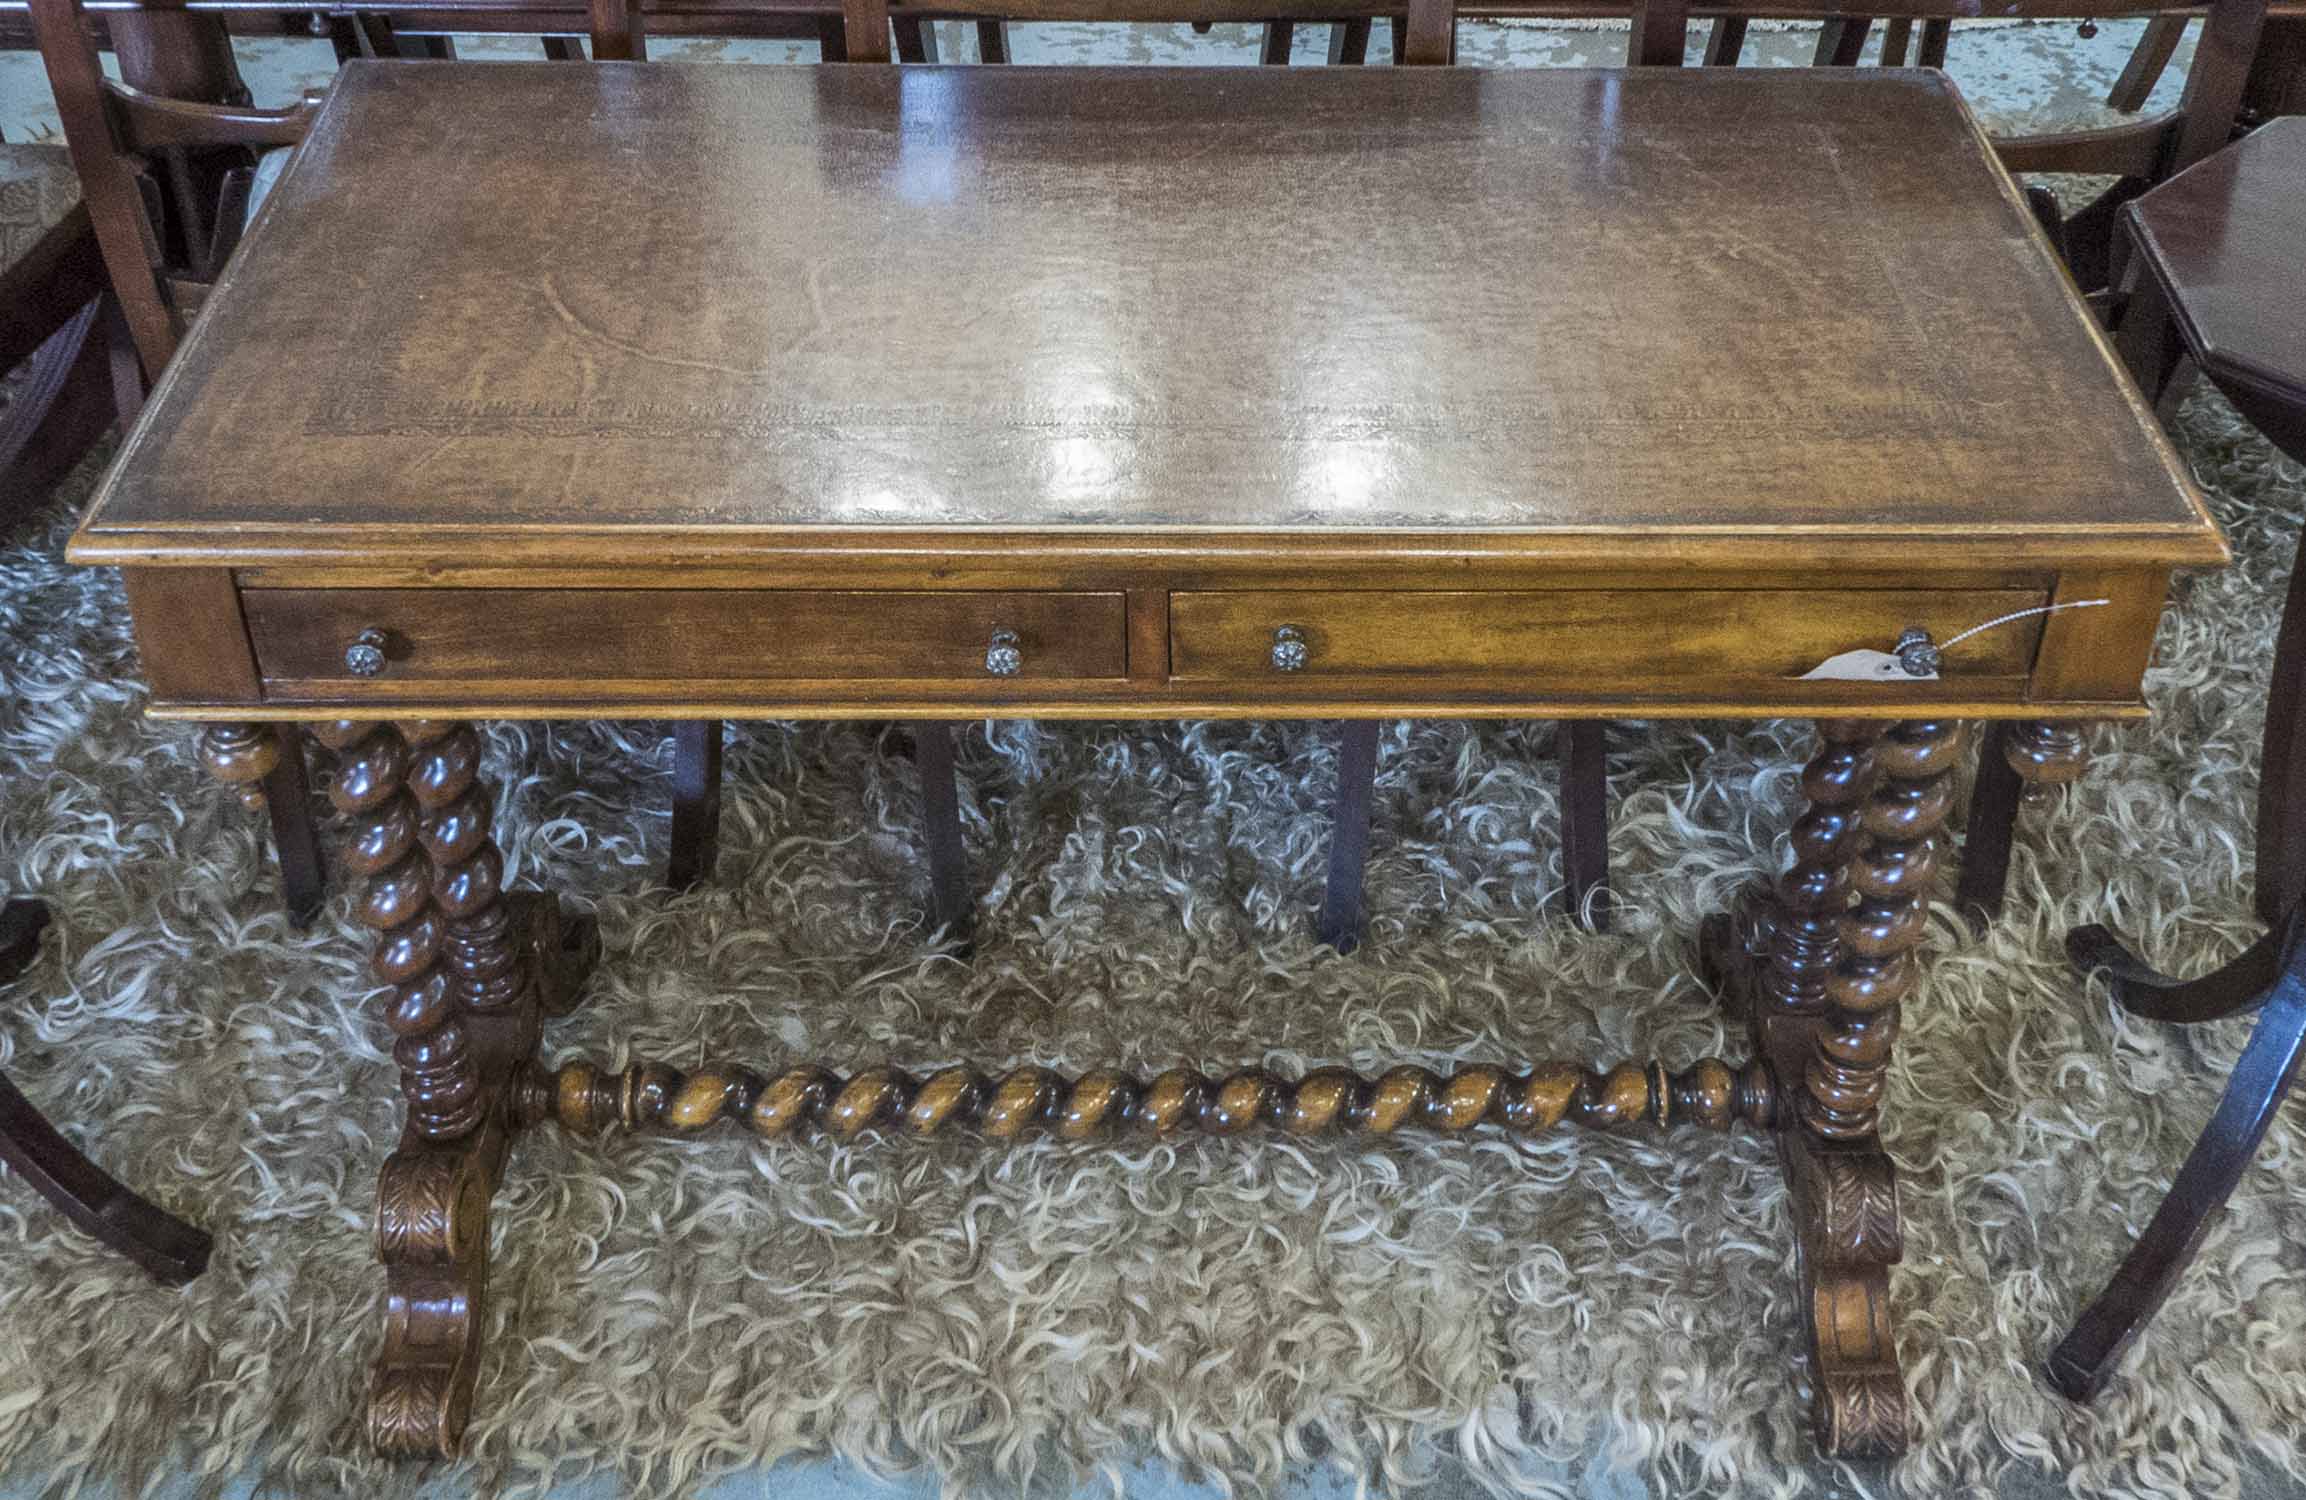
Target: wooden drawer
[
  {"x": 677, "y": 635},
  {"x": 1587, "y": 641}
]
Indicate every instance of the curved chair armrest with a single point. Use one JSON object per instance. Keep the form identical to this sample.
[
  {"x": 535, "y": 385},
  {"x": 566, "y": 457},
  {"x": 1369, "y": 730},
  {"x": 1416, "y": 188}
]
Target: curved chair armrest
[{"x": 145, "y": 122}]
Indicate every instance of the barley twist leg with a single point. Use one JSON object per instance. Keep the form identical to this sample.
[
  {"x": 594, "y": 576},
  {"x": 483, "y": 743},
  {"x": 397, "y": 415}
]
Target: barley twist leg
[
  {"x": 1836, "y": 1037},
  {"x": 469, "y": 971},
  {"x": 1772, "y": 954}
]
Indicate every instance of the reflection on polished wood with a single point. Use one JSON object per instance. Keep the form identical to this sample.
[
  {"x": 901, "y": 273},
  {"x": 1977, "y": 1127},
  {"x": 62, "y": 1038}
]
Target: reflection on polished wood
[
  {"x": 1136, "y": 359},
  {"x": 929, "y": 394}
]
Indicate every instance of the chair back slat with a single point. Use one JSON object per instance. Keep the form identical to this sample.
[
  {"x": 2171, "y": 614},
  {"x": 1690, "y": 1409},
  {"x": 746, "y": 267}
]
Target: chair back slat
[
  {"x": 617, "y": 33},
  {"x": 865, "y": 30},
  {"x": 115, "y": 204},
  {"x": 2216, "y": 78}
]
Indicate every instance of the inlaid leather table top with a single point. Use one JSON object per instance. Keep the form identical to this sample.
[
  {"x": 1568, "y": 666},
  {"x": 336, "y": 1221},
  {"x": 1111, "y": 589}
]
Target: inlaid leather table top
[{"x": 655, "y": 312}]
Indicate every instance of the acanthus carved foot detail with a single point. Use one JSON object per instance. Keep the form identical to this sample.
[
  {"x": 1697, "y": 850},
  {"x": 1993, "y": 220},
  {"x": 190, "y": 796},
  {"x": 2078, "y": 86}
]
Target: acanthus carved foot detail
[
  {"x": 1822, "y": 964},
  {"x": 432, "y": 1236},
  {"x": 1846, "y": 1217},
  {"x": 470, "y": 971}
]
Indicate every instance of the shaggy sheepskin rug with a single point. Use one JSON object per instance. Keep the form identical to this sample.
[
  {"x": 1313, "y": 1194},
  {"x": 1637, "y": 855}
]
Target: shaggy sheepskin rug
[{"x": 1024, "y": 1319}]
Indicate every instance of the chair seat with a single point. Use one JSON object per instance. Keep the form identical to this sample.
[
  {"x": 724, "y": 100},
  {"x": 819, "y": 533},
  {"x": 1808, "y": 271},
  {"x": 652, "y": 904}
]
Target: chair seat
[{"x": 37, "y": 188}]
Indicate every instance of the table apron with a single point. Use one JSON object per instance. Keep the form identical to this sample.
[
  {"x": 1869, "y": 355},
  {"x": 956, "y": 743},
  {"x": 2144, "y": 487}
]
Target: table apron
[{"x": 218, "y": 647}]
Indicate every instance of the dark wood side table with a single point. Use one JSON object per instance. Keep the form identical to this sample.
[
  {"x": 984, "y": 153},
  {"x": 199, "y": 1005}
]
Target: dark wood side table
[
  {"x": 2220, "y": 256},
  {"x": 717, "y": 425}
]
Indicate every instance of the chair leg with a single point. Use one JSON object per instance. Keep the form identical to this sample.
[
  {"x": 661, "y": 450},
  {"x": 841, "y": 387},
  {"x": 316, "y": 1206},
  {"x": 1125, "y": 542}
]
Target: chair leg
[
  {"x": 696, "y": 840},
  {"x": 1897, "y": 40},
  {"x": 2084, "y": 1360},
  {"x": 950, "y": 906},
  {"x": 288, "y": 807},
  {"x": 172, "y": 1251},
  {"x": 2147, "y": 62},
  {"x": 1342, "y": 920},
  {"x": 1583, "y": 754},
  {"x": 1725, "y": 41},
  {"x": 1349, "y": 42},
  {"x": 916, "y": 39},
  {"x": 1932, "y": 52},
  {"x": 21, "y": 923},
  {"x": 1841, "y": 41},
  {"x": 2282, "y": 764},
  {"x": 1994, "y": 803}
]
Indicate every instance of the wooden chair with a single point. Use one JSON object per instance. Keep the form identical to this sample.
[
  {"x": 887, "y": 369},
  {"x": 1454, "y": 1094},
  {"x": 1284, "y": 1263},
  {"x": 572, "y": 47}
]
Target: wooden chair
[
  {"x": 137, "y": 156},
  {"x": 2138, "y": 153},
  {"x": 2277, "y": 83}
]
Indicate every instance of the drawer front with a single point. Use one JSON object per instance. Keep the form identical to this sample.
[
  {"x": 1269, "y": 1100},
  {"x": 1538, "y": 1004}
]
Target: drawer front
[
  {"x": 679, "y": 635},
  {"x": 1586, "y": 641}
]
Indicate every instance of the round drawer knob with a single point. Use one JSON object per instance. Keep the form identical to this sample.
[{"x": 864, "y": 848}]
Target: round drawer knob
[
  {"x": 1002, "y": 656},
  {"x": 1916, "y": 654},
  {"x": 1289, "y": 651},
  {"x": 365, "y": 656}
]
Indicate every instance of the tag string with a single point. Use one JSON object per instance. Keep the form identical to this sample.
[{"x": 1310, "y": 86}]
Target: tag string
[{"x": 2039, "y": 609}]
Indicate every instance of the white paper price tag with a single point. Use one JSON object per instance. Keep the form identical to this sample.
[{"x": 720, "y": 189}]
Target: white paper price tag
[{"x": 1864, "y": 666}]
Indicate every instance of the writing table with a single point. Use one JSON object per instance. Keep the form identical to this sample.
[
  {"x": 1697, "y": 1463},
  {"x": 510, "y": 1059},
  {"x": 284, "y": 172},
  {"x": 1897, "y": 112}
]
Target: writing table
[{"x": 712, "y": 392}]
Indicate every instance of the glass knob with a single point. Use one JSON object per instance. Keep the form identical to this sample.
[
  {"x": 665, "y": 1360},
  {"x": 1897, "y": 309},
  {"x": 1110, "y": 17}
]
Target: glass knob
[
  {"x": 1289, "y": 651},
  {"x": 1916, "y": 654},
  {"x": 1002, "y": 656},
  {"x": 365, "y": 656}
]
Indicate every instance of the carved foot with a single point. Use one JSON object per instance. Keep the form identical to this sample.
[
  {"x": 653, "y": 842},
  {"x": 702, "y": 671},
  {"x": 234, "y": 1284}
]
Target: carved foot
[
  {"x": 433, "y": 1198},
  {"x": 1846, "y": 1219},
  {"x": 1825, "y": 978},
  {"x": 432, "y": 1235},
  {"x": 470, "y": 971}
]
